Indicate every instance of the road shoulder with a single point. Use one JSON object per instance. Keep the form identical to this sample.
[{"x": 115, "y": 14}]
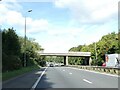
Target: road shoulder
[{"x": 23, "y": 81}]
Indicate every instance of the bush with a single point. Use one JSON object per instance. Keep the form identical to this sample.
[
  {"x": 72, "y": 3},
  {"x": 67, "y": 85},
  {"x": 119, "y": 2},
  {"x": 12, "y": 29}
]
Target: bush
[
  {"x": 94, "y": 62},
  {"x": 42, "y": 63},
  {"x": 11, "y": 62},
  {"x": 97, "y": 62}
]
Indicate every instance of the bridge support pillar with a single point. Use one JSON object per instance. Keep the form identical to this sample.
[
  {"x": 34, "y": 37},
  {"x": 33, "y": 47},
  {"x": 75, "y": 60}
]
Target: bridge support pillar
[
  {"x": 65, "y": 60},
  {"x": 90, "y": 61}
]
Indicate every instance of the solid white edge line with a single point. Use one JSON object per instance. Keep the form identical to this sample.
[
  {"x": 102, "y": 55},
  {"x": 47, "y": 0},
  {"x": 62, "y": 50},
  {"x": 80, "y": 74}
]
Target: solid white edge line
[
  {"x": 94, "y": 72},
  {"x": 35, "y": 84},
  {"x": 87, "y": 81}
]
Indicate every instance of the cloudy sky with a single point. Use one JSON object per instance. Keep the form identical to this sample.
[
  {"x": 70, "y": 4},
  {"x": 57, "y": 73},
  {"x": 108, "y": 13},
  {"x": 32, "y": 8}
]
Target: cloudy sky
[{"x": 58, "y": 25}]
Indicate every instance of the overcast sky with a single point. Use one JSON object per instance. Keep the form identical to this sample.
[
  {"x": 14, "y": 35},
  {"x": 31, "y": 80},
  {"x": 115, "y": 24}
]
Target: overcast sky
[{"x": 58, "y": 25}]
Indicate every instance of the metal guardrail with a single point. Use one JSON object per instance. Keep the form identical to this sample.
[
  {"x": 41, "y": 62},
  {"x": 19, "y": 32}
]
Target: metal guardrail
[{"x": 99, "y": 68}]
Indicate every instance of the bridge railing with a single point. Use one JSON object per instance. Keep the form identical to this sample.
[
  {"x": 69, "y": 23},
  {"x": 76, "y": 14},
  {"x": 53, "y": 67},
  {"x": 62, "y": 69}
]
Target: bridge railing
[{"x": 99, "y": 69}]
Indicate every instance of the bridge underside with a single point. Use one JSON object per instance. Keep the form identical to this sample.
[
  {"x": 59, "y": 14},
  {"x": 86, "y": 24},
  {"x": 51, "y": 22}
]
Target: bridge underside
[
  {"x": 86, "y": 60},
  {"x": 70, "y": 54}
]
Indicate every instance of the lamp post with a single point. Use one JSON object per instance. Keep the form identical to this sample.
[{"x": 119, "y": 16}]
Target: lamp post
[
  {"x": 25, "y": 41},
  {"x": 95, "y": 51}
]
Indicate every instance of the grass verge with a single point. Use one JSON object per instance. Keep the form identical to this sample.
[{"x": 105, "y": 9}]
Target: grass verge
[{"x": 11, "y": 74}]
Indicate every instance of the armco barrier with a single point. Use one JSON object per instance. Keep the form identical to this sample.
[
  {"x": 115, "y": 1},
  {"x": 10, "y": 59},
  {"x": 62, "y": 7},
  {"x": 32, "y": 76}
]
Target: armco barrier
[{"x": 99, "y": 68}]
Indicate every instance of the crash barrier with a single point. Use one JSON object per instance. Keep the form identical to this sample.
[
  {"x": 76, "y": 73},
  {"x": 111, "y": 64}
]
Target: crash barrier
[{"x": 99, "y": 68}]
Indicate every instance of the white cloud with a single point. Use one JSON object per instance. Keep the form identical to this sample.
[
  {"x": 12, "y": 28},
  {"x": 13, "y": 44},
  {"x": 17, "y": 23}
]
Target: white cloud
[
  {"x": 61, "y": 38},
  {"x": 14, "y": 18},
  {"x": 60, "y": 45},
  {"x": 29, "y": 0},
  {"x": 90, "y": 11},
  {"x": 36, "y": 26},
  {"x": 83, "y": 35},
  {"x": 60, "y": 31},
  {"x": 8, "y": 15}
]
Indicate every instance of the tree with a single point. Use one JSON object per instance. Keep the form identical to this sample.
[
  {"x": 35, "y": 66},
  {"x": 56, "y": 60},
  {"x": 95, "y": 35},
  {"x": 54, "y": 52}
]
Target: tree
[
  {"x": 108, "y": 44},
  {"x": 30, "y": 49},
  {"x": 13, "y": 50},
  {"x": 10, "y": 50}
]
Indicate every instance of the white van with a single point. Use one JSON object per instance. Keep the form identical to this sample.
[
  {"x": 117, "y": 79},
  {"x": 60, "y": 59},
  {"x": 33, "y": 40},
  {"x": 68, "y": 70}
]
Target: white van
[{"x": 112, "y": 60}]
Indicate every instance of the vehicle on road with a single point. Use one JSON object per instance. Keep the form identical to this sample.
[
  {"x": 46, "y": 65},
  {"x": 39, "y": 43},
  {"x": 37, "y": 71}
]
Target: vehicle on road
[
  {"x": 51, "y": 65},
  {"x": 56, "y": 65},
  {"x": 112, "y": 60},
  {"x": 104, "y": 64}
]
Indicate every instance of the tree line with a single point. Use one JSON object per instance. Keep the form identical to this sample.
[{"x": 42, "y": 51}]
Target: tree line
[
  {"x": 108, "y": 44},
  {"x": 14, "y": 49}
]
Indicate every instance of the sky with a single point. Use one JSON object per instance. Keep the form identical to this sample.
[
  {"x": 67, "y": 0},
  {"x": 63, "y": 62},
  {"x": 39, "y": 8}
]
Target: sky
[{"x": 58, "y": 25}]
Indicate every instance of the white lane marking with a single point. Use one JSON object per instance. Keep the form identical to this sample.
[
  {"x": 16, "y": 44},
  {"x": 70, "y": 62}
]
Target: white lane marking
[
  {"x": 35, "y": 84},
  {"x": 63, "y": 70},
  {"x": 39, "y": 72},
  {"x": 70, "y": 73},
  {"x": 94, "y": 72},
  {"x": 87, "y": 81}
]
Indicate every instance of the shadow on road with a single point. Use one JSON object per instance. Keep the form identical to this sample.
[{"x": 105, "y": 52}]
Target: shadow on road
[
  {"x": 24, "y": 81},
  {"x": 44, "y": 83}
]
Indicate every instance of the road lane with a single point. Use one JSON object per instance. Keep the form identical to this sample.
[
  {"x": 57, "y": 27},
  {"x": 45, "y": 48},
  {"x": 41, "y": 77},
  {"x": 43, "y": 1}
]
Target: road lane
[
  {"x": 99, "y": 80},
  {"x": 23, "y": 81},
  {"x": 41, "y": 74},
  {"x": 53, "y": 79},
  {"x": 64, "y": 77}
]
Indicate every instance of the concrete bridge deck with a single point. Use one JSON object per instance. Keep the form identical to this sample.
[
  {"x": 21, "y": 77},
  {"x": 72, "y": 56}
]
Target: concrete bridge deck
[{"x": 80, "y": 54}]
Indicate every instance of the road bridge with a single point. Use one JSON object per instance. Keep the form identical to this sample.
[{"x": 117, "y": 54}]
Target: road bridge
[{"x": 87, "y": 55}]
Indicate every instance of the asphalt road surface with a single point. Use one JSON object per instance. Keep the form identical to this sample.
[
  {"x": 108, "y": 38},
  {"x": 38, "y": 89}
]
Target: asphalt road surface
[{"x": 63, "y": 77}]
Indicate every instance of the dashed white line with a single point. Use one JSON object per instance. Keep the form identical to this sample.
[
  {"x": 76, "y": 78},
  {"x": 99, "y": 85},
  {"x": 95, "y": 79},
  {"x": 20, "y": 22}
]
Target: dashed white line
[
  {"x": 34, "y": 86},
  {"x": 70, "y": 73},
  {"x": 94, "y": 72},
  {"x": 63, "y": 70},
  {"x": 87, "y": 81}
]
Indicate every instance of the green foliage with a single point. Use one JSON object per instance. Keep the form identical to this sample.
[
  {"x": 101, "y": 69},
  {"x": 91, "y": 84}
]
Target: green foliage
[
  {"x": 10, "y": 41},
  {"x": 42, "y": 63},
  {"x": 11, "y": 62},
  {"x": 41, "y": 60},
  {"x": 108, "y": 44},
  {"x": 10, "y": 50},
  {"x": 14, "y": 49},
  {"x": 55, "y": 59}
]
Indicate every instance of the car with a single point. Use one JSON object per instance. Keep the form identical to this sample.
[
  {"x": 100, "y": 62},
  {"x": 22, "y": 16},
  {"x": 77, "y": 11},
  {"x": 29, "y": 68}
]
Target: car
[
  {"x": 104, "y": 64},
  {"x": 56, "y": 65},
  {"x": 51, "y": 65}
]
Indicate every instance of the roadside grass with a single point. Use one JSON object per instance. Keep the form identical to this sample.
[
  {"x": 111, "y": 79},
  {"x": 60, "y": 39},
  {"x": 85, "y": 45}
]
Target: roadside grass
[{"x": 11, "y": 74}]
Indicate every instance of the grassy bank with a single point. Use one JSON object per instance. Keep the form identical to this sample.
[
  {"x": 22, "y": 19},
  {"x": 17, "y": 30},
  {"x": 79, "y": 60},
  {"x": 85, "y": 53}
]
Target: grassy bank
[{"x": 11, "y": 74}]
